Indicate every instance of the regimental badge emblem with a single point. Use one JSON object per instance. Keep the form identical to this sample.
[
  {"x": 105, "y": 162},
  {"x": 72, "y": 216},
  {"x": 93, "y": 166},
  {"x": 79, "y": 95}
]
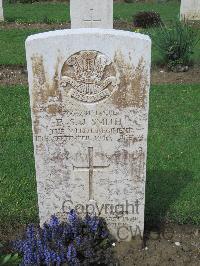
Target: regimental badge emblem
[{"x": 89, "y": 77}]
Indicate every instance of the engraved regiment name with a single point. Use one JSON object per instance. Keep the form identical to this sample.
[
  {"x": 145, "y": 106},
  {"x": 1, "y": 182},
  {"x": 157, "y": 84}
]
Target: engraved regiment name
[{"x": 88, "y": 76}]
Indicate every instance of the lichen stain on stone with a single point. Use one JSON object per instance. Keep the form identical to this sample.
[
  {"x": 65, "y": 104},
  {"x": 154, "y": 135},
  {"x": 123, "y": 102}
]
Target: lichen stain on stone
[
  {"x": 43, "y": 90},
  {"x": 54, "y": 107},
  {"x": 38, "y": 78},
  {"x": 132, "y": 91}
]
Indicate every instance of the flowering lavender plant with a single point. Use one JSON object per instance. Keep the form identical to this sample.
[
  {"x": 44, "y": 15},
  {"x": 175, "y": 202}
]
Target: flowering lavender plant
[{"x": 74, "y": 242}]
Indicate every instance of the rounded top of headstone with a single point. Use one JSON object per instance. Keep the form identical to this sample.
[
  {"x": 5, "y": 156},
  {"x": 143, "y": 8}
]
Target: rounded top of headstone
[{"x": 111, "y": 32}]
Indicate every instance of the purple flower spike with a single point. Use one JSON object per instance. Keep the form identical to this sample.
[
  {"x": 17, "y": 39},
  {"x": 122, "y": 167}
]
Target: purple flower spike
[
  {"x": 54, "y": 221},
  {"x": 71, "y": 252},
  {"x": 75, "y": 242},
  {"x": 72, "y": 217},
  {"x": 30, "y": 232}
]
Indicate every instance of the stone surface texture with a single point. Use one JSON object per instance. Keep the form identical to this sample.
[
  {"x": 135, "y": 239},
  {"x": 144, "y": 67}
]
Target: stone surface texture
[
  {"x": 190, "y": 10},
  {"x": 89, "y": 92},
  {"x": 1, "y": 11},
  {"x": 91, "y": 14}
]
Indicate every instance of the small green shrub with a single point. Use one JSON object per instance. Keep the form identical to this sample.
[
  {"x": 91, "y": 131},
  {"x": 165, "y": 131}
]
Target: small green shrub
[
  {"x": 176, "y": 44},
  {"x": 147, "y": 19}
]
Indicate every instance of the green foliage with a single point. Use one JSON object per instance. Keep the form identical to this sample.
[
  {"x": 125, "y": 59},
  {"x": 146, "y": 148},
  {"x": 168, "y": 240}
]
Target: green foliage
[
  {"x": 8, "y": 259},
  {"x": 176, "y": 43},
  {"x": 147, "y": 19}
]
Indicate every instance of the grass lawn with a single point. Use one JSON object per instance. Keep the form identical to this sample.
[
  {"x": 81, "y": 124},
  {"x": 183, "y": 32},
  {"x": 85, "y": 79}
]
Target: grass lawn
[
  {"x": 17, "y": 175},
  {"x": 12, "y": 50},
  {"x": 37, "y": 12},
  {"x": 59, "y": 12},
  {"x": 173, "y": 182},
  {"x": 12, "y": 43}
]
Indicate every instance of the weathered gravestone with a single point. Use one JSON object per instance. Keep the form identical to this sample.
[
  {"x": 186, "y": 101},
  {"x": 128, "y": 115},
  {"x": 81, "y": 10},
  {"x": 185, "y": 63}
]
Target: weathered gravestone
[
  {"x": 91, "y": 14},
  {"x": 1, "y": 11},
  {"x": 190, "y": 10},
  {"x": 89, "y": 91}
]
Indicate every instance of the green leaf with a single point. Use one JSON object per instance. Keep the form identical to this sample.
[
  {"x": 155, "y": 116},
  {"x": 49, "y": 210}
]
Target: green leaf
[
  {"x": 6, "y": 259},
  {"x": 14, "y": 257}
]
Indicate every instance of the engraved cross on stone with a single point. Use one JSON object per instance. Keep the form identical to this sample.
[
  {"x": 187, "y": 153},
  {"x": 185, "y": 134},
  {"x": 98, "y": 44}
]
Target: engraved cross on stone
[
  {"x": 92, "y": 19},
  {"x": 91, "y": 169},
  {"x": 91, "y": 14}
]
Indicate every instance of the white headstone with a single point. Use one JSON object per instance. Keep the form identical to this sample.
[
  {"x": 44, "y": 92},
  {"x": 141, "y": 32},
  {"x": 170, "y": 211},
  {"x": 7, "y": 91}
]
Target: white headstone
[
  {"x": 89, "y": 91},
  {"x": 91, "y": 14},
  {"x": 190, "y": 9},
  {"x": 1, "y": 11}
]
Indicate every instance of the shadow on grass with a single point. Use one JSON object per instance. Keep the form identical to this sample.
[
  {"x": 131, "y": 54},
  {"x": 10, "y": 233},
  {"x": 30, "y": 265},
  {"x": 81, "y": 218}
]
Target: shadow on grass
[{"x": 163, "y": 188}]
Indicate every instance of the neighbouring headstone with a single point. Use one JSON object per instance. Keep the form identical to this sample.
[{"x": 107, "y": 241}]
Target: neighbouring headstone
[
  {"x": 1, "y": 11},
  {"x": 190, "y": 10},
  {"x": 89, "y": 93},
  {"x": 91, "y": 14}
]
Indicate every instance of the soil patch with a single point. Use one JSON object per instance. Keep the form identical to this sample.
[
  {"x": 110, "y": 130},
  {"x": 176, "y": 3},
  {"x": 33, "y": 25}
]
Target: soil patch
[
  {"x": 118, "y": 24},
  {"x": 34, "y": 26},
  {"x": 168, "y": 244},
  {"x": 162, "y": 76},
  {"x": 14, "y": 75}
]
